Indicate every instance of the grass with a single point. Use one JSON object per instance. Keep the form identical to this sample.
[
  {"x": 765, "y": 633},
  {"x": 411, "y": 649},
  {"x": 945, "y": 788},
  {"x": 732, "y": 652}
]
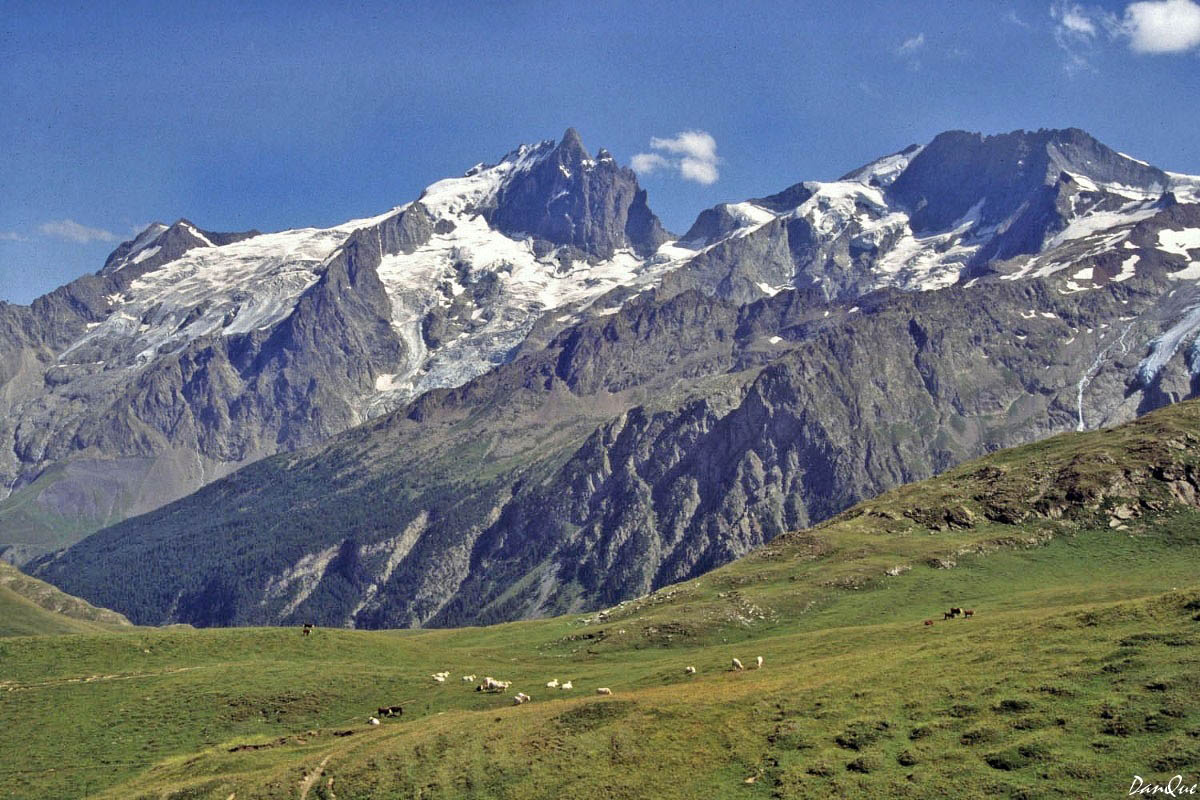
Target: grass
[
  {"x": 31, "y": 607},
  {"x": 1079, "y": 670},
  {"x": 1043, "y": 689}
]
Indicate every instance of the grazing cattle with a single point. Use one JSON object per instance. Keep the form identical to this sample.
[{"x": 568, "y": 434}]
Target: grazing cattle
[
  {"x": 372, "y": 721},
  {"x": 552, "y": 684},
  {"x": 567, "y": 685},
  {"x": 970, "y": 612},
  {"x": 689, "y": 671},
  {"x": 440, "y": 678},
  {"x": 737, "y": 664},
  {"x": 520, "y": 698},
  {"x": 604, "y": 690},
  {"x": 928, "y": 622},
  {"x": 758, "y": 663},
  {"x": 947, "y": 615},
  {"x": 390, "y": 711},
  {"x": 954, "y": 612},
  {"x": 469, "y": 678},
  {"x": 308, "y": 628}
]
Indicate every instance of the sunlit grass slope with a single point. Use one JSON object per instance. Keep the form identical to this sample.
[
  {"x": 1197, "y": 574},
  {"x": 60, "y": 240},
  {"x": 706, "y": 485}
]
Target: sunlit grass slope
[{"x": 1081, "y": 667}]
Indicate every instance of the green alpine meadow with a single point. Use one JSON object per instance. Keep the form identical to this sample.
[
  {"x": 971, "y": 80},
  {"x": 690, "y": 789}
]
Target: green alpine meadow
[{"x": 1077, "y": 558}]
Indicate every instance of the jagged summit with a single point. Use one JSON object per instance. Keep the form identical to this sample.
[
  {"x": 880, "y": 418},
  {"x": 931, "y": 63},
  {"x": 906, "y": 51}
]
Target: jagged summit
[{"x": 560, "y": 195}]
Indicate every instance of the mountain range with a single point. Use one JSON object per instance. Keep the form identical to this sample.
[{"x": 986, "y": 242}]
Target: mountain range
[{"x": 518, "y": 395}]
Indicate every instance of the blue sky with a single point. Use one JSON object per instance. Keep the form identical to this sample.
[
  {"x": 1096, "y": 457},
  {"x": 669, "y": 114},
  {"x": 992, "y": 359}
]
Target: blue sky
[{"x": 278, "y": 115}]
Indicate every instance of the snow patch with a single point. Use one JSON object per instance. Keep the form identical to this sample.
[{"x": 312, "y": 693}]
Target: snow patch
[
  {"x": 1127, "y": 269},
  {"x": 149, "y": 252},
  {"x": 1189, "y": 273},
  {"x": 1179, "y": 242}
]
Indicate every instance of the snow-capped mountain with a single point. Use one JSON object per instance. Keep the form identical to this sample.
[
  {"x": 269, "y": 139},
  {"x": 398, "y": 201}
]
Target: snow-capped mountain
[
  {"x": 657, "y": 408},
  {"x": 192, "y": 352},
  {"x": 959, "y": 208}
]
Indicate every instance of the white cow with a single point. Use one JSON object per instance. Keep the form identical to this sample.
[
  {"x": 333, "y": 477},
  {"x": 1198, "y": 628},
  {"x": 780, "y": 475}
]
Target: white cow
[
  {"x": 737, "y": 664},
  {"x": 604, "y": 690},
  {"x": 566, "y": 685}
]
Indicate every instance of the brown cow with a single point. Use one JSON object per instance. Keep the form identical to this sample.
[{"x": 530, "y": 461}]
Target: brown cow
[
  {"x": 308, "y": 628},
  {"x": 948, "y": 615},
  {"x": 970, "y": 612},
  {"x": 954, "y": 612},
  {"x": 390, "y": 711},
  {"x": 928, "y": 622}
]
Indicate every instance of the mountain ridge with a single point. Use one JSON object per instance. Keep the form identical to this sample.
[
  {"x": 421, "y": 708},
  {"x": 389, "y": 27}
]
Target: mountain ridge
[{"x": 668, "y": 421}]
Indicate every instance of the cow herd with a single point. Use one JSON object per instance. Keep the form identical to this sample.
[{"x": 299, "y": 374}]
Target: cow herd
[
  {"x": 492, "y": 685},
  {"x": 954, "y": 613}
]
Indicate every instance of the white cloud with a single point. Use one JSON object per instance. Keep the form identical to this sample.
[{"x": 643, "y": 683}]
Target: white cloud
[
  {"x": 11, "y": 236},
  {"x": 1073, "y": 19},
  {"x": 72, "y": 231},
  {"x": 648, "y": 162},
  {"x": 1162, "y": 26},
  {"x": 1148, "y": 26},
  {"x": 696, "y": 160},
  {"x": 695, "y": 144},
  {"x": 911, "y": 45},
  {"x": 1013, "y": 18},
  {"x": 1075, "y": 31},
  {"x": 693, "y": 169}
]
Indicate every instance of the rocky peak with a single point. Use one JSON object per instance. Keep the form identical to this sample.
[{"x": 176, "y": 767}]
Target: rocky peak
[
  {"x": 996, "y": 175},
  {"x": 566, "y": 197}
]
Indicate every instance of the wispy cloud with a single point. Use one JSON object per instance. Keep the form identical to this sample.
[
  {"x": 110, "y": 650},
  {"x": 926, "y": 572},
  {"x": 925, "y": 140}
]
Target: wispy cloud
[
  {"x": 1162, "y": 26},
  {"x": 1076, "y": 28},
  {"x": 1014, "y": 19},
  {"x": 910, "y": 49},
  {"x": 11, "y": 236},
  {"x": 911, "y": 45},
  {"x": 1073, "y": 20},
  {"x": 869, "y": 90},
  {"x": 72, "y": 231},
  {"x": 692, "y": 153}
]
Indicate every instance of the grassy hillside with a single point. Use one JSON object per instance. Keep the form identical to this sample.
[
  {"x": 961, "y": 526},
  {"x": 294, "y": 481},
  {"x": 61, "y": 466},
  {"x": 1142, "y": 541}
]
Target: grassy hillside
[
  {"x": 31, "y": 607},
  {"x": 1079, "y": 555}
]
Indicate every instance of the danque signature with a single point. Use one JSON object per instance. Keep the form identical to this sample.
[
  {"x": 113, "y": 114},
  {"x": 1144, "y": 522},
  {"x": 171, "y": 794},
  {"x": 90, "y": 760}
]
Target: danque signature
[{"x": 1175, "y": 787}]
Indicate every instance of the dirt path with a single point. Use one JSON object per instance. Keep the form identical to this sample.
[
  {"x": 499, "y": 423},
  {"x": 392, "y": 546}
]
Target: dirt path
[
  {"x": 307, "y": 784},
  {"x": 13, "y": 686}
]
